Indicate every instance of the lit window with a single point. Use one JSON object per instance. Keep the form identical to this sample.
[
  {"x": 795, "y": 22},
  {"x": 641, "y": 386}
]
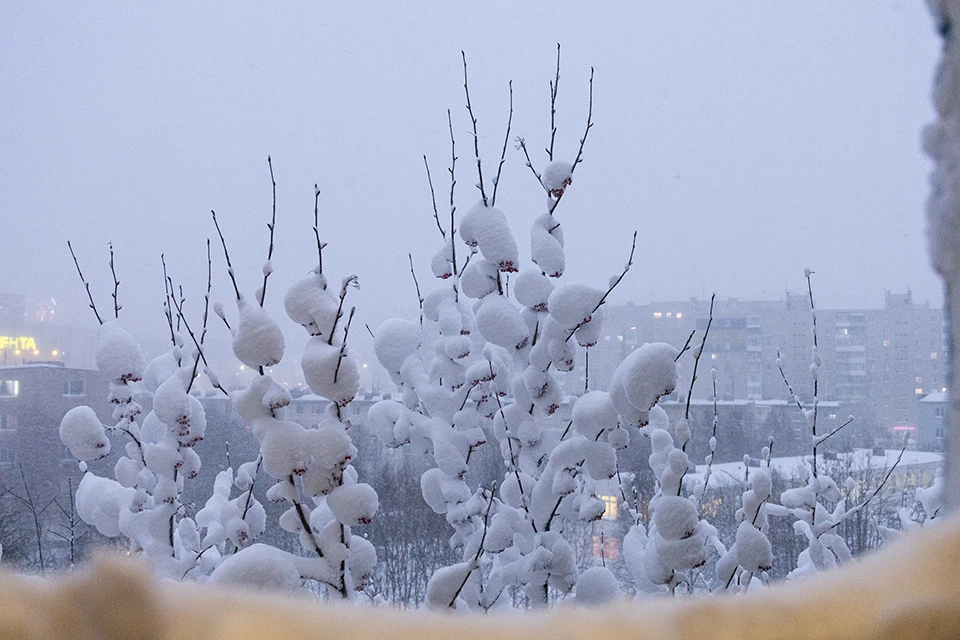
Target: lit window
[
  {"x": 669, "y": 314},
  {"x": 919, "y": 391},
  {"x": 9, "y": 388},
  {"x": 620, "y": 338},
  {"x": 657, "y": 314},
  {"x": 713, "y": 356},
  {"x": 933, "y": 355},
  {"x": 610, "y": 504},
  {"x": 605, "y": 547},
  {"x": 679, "y": 315}
]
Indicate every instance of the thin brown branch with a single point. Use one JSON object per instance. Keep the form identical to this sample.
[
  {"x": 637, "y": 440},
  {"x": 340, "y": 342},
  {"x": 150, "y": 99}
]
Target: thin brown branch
[
  {"x": 554, "y": 87},
  {"x": 696, "y": 359},
  {"x": 167, "y": 306},
  {"x": 268, "y": 267},
  {"x": 503, "y": 153},
  {"x": 522, "y": 145},
  {"x": 583, "y": 141},
  {"x": 116, "y": 284},
  {"x": 196, "y": 342},
  {"x": 586, "y": 131},
  {"x": 206, "y": 315},
  {"x": 85, "y": 283},
  {"x": 686, "y": 345},
  {"x": 343, "y": 345},
  {"x": 626, "y": 268},
  {"x": 476, "y": 138},
  {"x": 476, "y": 558},
  {"x": 417, "y": 285},
  {"x": 226, "y": 254},
  {"x": 453, "y": 184},
  {"x": 433, "y": 198},
  {"x": 316, "y": 227}
]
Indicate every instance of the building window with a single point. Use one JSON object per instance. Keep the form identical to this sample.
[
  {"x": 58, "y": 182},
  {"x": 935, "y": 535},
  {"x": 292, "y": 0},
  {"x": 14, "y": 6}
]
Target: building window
[
  {"x": 610, "y": 505},
  {"x": 605, "y": 547},
  {"x": 940, "y": 412},
  {"x": 9, "y": 388},
  {"x": 74, "y": 388},
  {"x": 8, "y": 422},
  {"x": 657, "y": 314}
]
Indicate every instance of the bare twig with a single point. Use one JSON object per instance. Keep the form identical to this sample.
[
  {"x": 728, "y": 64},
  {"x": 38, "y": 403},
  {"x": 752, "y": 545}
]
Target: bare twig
[
  {"x": 686, "y": 345},
  {"x": 167, "y": 307},
  {"x": 503, "y": 153},
  {"x": 31, "y": 504},
  {"x": 626, "y": 268},
  {"x": 349, "y": 281},
  {"x": 586, "y": 131},
  {"x": 226, "y": 254},
  {"x": 476, "y": 559},
  {"x": 206, "y": 314},
  {"x": 85, "y": 283},
  {"x": 196, "y": 343},
  {"x": 476, "y": 139},
  {"x": 453, "y": 184},
  {"x": 696, "y": 359},
  {"x": 583, "y": 141},
  {"x": 835, "y": 431},
  {"x": 116, "y": 284},
  {"x": 417, "y": 284},
  {"x": 246, "y": 505},
  {"x": 522, "y": 145},
  {"x": 182, "y": 300},
  {"x": 316, "y": 227},
  {"x": 554, "y": 86},
  {"x": 433, "y": 198},
  {"x": 370, "y": 331},
  {"x": 268, "y": 268},
  {"x": 343, "y": 345}
]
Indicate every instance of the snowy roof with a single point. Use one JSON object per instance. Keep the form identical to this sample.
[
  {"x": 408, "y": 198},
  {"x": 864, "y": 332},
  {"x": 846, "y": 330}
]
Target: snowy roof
[
  {"x": 934, "y": 397},
  {"x": 310, "y": 397},
  {"x": 731, "y": 473},
  {"x": 709, "y": 402},
  {"x": 40, "y": 365}
]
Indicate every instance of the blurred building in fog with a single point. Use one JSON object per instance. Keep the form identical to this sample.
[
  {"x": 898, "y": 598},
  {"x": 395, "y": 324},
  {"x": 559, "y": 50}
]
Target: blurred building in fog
[{"x": 877, "y": 362}]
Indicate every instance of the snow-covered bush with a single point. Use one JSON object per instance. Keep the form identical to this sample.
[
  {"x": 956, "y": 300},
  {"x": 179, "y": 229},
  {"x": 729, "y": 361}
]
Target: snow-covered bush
[
  {"x": 311, "y": 466},
  {"x": 484, "y": 367}
]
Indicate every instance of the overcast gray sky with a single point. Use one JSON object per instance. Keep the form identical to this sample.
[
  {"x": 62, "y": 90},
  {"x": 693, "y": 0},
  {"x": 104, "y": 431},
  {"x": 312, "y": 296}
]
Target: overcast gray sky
[{"x": 744, "y": 140}]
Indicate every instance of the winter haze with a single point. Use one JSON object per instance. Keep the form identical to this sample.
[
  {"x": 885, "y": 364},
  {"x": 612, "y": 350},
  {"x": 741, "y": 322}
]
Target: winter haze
[{"x": 745, "y": 142}]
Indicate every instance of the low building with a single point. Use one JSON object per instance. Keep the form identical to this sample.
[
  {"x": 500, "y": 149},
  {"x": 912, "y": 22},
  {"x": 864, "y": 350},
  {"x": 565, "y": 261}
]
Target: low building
[{"x": 33, "y": 400}]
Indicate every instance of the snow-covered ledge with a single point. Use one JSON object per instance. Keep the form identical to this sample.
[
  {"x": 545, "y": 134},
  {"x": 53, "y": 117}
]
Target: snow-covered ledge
[{"x": 908, "y": 590}]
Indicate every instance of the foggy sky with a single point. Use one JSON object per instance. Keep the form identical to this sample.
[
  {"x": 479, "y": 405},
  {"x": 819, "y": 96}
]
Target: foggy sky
[{"x": 745, "y": 141}]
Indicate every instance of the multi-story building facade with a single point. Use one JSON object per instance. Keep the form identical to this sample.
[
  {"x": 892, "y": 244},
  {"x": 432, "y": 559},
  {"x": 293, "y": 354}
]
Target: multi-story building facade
[{"x": 879, "y": 362}]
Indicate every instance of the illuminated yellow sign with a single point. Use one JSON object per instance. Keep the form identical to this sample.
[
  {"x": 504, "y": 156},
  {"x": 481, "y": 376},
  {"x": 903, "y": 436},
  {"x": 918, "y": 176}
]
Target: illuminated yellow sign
[{"x": 11, "y": 342}]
